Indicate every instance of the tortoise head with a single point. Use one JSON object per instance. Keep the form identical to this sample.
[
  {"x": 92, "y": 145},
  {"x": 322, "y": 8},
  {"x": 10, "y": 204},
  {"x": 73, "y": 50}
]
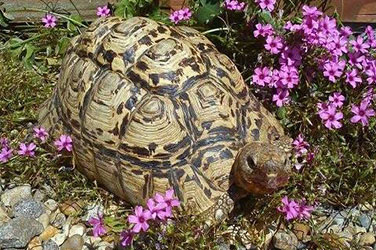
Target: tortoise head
[{"x": 262, "y": 168}]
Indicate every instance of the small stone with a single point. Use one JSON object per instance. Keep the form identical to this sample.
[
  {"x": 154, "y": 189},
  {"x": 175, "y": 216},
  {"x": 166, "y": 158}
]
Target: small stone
[
  {"x": 365, "y": 220},
  {"x": 92, "y": 211},
  {"x": 301, "y": 231},
  {"x": 79, "y": 229},
  {"x": 3, "y": 216},
  {"x": 285, "y": 241},
  {"x": 223, "y": 246},
  {"x": 70, "y": 208},
  {"x": 91, "y": 240},
  {"x": 51, "y": 205},
  {"x": 59, "y": 238},
  {"x": 17, "y": 232},
  {"x": 103, "y": 245},
  {"x": 28, "y": 208},
  {"x": 365, "y": 207},
  {"x": 73, "y": 242},
  {"x": 39, "y": 195},
  {"x": 58, "y": 220},
  {"x": 50, "y": 245},
  {"x": 48, "y": 233},
  {"x": 35, "y": 244},
  {"x": 44, "y": 219},
  {"x": 367, "y": 239},
  {"x": 12, "y": 196}
]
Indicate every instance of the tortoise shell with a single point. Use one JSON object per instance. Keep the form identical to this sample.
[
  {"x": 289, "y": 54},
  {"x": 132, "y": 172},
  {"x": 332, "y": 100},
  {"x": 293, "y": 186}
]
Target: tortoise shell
[{"x": 150, "y": 107}]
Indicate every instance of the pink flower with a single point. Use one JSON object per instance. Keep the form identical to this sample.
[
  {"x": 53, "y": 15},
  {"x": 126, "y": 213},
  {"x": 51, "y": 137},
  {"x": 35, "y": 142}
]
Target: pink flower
[
  {"x": 338, "y": 46},
  {"x": 64, "y": 142},
  {"x": 49, "y": 21},
  {"x": 304, "y": 210},
  {"x": 126, "y": 238},
  {"x": 281, "y": 97},
  {"x": 359, "y": 45},
  {"x": 266, "y": 4},
  {"x": 331, "y": 117},
  {"x": 263, "y": 30},
  {"x": 371, "y": 73},
  {"x": 345, "y": 31},
  {"x": 234, "y": 5},
  {"x": 262, "y": 76},
  {"x": 103, "y": 11},
  {"x": 311, "y": 12},
  {"x": 5, "y": 154},
  {"x": 362, "y": 113},
  {"x": 140, "y": 219},
  {"x": 4, "y": 143},
  {"x": 289, "y": 208},
  {"x": 293, "y": 209},
  {"x": 274, "y": 44},
  {"x": 290, "y": 56},
  {"x": 179, "y": 15},
  {"x": 332, "y": 70},
  {"x": 292, "y": 27},
  {"x": 27, "y": 149},
  {"x": 168, "y": 200},
  {"x": 288, "y": 76},
  {"x": 337, "y": 99},
  {"x": 40, "y": 133},
  {"x": 185, "y": 14},
  {"x": 98, "y": 225},
  {"x": 300, "y": 145},
  {"x": 352, "y": 78},
  {"x": 157, "y": 210},
  {"x": 174, "y": 17}
]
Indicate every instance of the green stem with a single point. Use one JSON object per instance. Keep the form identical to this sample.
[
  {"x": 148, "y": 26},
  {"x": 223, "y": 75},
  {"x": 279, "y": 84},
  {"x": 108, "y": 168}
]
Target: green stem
[
  {"x": 59, "y": 15},
  {"x": 215, "y": 30},
  {"x": 16, "y": 45}
]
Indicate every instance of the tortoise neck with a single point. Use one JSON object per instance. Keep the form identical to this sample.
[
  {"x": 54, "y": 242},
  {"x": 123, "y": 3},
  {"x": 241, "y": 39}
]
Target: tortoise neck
[{"x": 236, "y": 193}]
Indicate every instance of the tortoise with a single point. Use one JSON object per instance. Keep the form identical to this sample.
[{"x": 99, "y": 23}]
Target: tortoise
[{"x": 150, "y": 106}]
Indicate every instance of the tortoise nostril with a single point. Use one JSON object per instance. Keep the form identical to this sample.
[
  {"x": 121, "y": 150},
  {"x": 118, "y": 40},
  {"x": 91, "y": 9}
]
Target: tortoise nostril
[{"x": 250, "y": 162}]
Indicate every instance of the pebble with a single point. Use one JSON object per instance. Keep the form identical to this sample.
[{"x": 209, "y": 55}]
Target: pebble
[
  {"x": 50, "y": 245},
  {"x": 59, "y": 238},
  {"x": 51, "y": 205},
  {"x": 79, "y": 229},
  {"x": 103, "y": 245},
  {"x": 44, "y": 219},
  {"x": 3, "y": 216},
  {"x": 365, "y": 220},
  {"x": 301, "y": 231},
  {"x": 28, "y": 208},
  {"x": 72, "y": 243},
  {"x": 70, "y": 208},
  {"x": 48, "y": 233},
  {"x": 58, "y": 220},
  {"x": 17, "y": 232},
  {"x": 367, "y": 239},
  {"x": 285, "y": 240},
  {"x": 12, "y": 196},
  {"x": 35, "y": 244},
  {"x": 92, "y": 211},
  {"x": 39, "y": 195}
]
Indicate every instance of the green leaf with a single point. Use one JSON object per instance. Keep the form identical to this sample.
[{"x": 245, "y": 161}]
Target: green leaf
[
  {"x": 267, "y": 17},
  {"x": 282, "y": 113},
  {"x": 71, "y": 26},
  {"x": 62, "y": 45},
  {"x": 30, "y": 49},
  {"x": 207, "y": 11}
]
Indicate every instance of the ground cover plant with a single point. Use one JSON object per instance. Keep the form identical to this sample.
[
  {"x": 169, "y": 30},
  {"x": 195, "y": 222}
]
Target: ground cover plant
[{"x": 315, "y": 74}]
